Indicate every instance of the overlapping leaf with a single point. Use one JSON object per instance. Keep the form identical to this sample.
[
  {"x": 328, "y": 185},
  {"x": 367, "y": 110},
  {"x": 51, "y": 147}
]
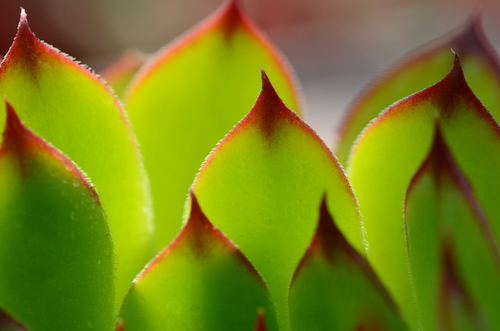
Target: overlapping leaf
[
  {"x": 450, "y": 237},
  {"x": 481, "y": 67},
  {"x": 120, "y": 72},
  {"x": 56, "y": 257},
  {"x": 190, "y": 95},
  {"x": 392, "y": 149},
  {"x": 201, "y": 281},
  {"x": 261, "y": 187},
  {"x": 334, "y": 288},
  {"x": 69, "y": 107}
]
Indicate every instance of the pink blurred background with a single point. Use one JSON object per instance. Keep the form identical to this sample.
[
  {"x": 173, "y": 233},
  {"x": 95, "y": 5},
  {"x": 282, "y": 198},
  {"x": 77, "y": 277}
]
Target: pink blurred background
[{"x": 335, "y": 46}]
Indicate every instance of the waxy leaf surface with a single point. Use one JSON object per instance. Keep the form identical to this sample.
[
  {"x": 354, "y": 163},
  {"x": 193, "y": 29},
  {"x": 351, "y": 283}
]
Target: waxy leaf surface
[
  {"x": 450, "y": 238},
  {"x": 190, "y": 95},
  {"x": 120, "y": 72},
  {"x": 426, "y": 67},
  {"x": 334, "y": 288},
  {"x": 56, "y": 257},
  {"x": 69, "y": 107},
  {"x": 201, "y": 281},
  {"x": 394, "y": 146},
  {"x": 261, "y": 187}
]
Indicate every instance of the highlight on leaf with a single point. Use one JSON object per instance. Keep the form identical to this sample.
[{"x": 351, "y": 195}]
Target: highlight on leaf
[
  {"x": 334, "y": 287},
  {"x": 275, "y": 158},
  {"x": 195, "y": 85},
  {"x": 394, "y": 146},
  {"x": 423, "y": 68},
  {"x": 200, "y": 281},
  {"x": 71, "y": 108},
  {"x": 56, "y": 247}
]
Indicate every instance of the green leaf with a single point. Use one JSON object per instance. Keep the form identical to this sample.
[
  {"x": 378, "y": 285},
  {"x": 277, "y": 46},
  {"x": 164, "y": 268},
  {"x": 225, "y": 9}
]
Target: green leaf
[
  {"x": 8, "y": 323},
  {"x": 201, "y": 281},
  {"x": 424, "y": 68},
  {"x": 457, "y": 311},
  {"x": 334, "y": 287},
  {"x": 56, "y": 255},
  {"x": 190, "y": 95},
  {"x": 443, "y": 217},
  {"x": 72, "y": 109},
  {"x": 261, "y": 186},
  {"x": 120, "y": 72},
  {"x": 394, "y": 146}
]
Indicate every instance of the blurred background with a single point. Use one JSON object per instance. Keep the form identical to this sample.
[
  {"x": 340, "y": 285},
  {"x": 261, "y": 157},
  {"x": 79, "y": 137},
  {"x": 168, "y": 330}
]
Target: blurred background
[{"x": 335, "y": 46}]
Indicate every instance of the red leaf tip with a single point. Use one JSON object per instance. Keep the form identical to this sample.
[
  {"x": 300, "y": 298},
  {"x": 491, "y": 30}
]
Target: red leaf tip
[
  {"x": 21, "y": 142},
  {"x": 231, "y": 17},
  {"x": 261, "y": 323},
  {"x": 269, "y": 109}
]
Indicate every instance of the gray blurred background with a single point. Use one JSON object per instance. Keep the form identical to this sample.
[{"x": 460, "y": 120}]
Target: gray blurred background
[{"x": 335, "y": 46}]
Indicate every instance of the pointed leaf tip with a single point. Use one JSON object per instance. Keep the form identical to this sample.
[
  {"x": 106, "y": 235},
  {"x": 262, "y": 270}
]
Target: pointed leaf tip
[
  {"x": 231, "y": 17},
  {"x": 21, "y": 142}
]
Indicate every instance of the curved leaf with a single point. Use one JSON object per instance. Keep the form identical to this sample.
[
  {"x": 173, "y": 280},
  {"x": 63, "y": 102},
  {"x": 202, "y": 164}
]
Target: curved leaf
[
  {"x": 334, "y": 288},
  {"x": 68, "y": 106},
  {"x": 261, "y": 185},
  {"x": 481, "y": 67},
  {"x": 201, "y": 281},
  {"x": 56, "y": 254},
  {"x": 190, "y": 95},
  {"x": 442, "y": 211},
  {"x": 120, "y": 72},
  {"x": 394, "y": 146}
]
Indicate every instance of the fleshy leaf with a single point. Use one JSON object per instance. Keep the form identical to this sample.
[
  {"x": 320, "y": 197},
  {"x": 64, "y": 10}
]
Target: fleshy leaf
[
  {"x": 456, "y": 308},
  {"x": 261, "y": 185},
  {"x": 394, "y": 146},
  {"x": 426, "y": 67},
  {"x": 8, "y": 323},
  {"x": 334, "y": 288},
  {"x": 120, "y": 72},
  {"x": 201, "y": 281},
  {"x": 56, "y": 255},
  {"x": 191, "y": 94},
  {"x": 72, "y": 109},
  {"x": 441, "y": 207}
]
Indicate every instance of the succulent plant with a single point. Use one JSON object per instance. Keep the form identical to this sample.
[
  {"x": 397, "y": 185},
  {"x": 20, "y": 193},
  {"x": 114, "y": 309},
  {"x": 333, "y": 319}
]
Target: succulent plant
[{"x": 234, "y": 214}]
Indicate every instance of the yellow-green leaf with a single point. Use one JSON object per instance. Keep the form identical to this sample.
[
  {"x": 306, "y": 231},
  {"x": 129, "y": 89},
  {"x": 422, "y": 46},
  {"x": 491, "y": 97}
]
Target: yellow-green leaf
[
  {"x": 72, "y": 109},
  {"x": 191, "y": 94},
  {"x": 56, "y": 254},
  {"x": 334, "y": 287},
  {"x": 261, "y": 186},
  {"x": 201, "y": 281}
]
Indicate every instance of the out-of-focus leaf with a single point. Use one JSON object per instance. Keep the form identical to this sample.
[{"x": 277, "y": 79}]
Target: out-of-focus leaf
[
  {"x": 457, "y": 311},
  {"x": 201, "y": 281},
  {"x": 481, "y": 67},
  {"x": 190, "y": 95},
  {"x": 120, "y": 72},
  {"x": 261, "y": 322},
  {"x": 69, "y": 107},
  {"x": 442, "y": 211},
  {"x": 56, "y": 257},
  {"x": 8, "y": 323},
  {"x": 261, "y": 186},
  {"x": 334, "y": 288},
  {"x": 394, "y": 146}
]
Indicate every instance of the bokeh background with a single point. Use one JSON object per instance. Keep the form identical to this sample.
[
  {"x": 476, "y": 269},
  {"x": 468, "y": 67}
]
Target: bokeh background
[{"x": 335, "y": 46}]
